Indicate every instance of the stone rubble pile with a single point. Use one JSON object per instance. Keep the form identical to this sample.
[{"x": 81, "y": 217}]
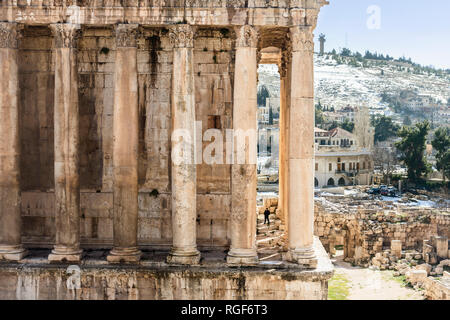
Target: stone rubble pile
[{"x": 410, "y": 240}]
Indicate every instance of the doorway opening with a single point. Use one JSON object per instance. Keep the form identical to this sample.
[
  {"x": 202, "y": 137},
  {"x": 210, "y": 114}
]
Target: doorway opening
[{"x": 268, "y": 116}]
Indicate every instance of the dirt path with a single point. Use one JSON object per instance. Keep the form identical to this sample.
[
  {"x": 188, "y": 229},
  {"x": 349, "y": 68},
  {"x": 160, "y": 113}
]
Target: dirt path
[{"x": 353, "y": 283}]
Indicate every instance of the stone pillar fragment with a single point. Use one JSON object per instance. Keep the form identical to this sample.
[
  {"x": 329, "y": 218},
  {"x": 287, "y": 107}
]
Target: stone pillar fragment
[
  {"x": 184, "y": 178},
  {"x": 10, "y": 220},
  {"x": 125, "y": 147},
  {"x": 396, "y": 248},
  {"x": 301, "y": 149},
  {"x": 243, "y": 184},
  {"x": 442, "y": 247},
  {"x": 67, "y": 145}
]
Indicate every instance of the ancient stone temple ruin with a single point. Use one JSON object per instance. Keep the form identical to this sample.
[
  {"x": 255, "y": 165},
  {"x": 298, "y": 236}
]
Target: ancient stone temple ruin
[{"x": 90, "y": 95}]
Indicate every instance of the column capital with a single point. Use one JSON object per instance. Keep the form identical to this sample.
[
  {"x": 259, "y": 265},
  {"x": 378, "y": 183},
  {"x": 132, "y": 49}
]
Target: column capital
[
  {"x": 9, "y": 34},
  {"x": 246, "y": 36},
  {"x": 182, "y": 36},
  {"x": 66, "y": 34},
  {"x": 302, "y": 39},
  {"x": 126, "y": 35}
]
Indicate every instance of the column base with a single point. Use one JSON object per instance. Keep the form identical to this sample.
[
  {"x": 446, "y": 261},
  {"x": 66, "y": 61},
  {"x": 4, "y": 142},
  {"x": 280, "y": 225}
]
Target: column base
[
  {"x": 242, "y": 257},
  {"x": 124, "y": 255},
  {"x": 184, "y": 257},
  {"x": 12, "y": 253},
  {"x": 305, "y": 257},
  {"x": 65, "y": 254}
]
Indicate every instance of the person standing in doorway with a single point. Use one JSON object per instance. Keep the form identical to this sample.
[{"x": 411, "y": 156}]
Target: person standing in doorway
[{"x": 266, "y": 216}]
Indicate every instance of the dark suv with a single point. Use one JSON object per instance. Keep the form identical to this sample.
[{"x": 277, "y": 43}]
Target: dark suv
[
  {"x": 374, "y": 190},
  {"x": 389, "y": 192}
]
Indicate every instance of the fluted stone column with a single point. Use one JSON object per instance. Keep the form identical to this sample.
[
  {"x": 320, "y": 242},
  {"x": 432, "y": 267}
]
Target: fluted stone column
[
  {"x": 282, "y": 170},
  {"x": 301, "y": 149},
  {"x": 67, "y": 145},
  {"x": 243, "y": 179},
  {"x": 184, "y": 172},
  {"x": 125, "y": 147},
  {"x": 10, "y": 220}
]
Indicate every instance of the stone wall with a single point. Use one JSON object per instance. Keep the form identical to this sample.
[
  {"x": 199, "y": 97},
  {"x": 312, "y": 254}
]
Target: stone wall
[
  {"x": 363, "y": 231},
  {"x": 107, "y": 284},
  {"x": 213, "y": 64}
]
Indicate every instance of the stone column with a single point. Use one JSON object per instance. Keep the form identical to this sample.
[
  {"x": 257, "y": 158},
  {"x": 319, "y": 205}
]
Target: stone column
[
  {"x": 66, "y": 123},
  {"x": 396, "y": 248},
  {"x": 301, "y": 149},
  {"x": 243, "y": 179},
  {"x": 184, "y": 171},
  {"x": 282, "y": 148},
  {"x": 442, "y": 247},
  {"x": 125, "y": 147},
  {"x": 10, "y": 220}
]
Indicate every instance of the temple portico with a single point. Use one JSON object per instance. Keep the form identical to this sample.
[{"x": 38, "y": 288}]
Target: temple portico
[{"x": 99, "y": 112}]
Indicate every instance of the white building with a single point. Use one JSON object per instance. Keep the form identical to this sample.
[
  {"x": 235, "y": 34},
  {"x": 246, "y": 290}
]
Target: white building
[{"x": 344, "y": 158}]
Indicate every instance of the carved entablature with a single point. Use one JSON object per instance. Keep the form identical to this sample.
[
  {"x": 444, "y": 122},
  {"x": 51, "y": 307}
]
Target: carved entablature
[
  {"x": 217, "y": 13},
  {"x": 302, "y": 39},
  {"x": 215, "y": 3},
  {"x": 182, "y": 36},
  {"x": 246, "y": 36},
  {"x": 294, "y": 4},
  {"x": 9, "y": 34},
  {"x": 126, "y": 35},
  {"x": 65, "y": 34}
]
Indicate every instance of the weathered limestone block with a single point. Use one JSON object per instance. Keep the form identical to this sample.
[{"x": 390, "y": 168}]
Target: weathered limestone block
[
  {"x": 416, "y": 276},
  {"x": 442, "y": 247},
  {"x": 396, "y": 248}
]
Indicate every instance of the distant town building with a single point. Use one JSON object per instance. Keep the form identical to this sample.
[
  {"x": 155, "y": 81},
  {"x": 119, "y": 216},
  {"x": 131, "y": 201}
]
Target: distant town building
[{"x": 344, "y": 158}]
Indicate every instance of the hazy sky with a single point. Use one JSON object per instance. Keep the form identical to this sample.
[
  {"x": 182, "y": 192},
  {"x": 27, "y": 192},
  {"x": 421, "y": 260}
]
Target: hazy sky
[{"x": 419, "y": 29}]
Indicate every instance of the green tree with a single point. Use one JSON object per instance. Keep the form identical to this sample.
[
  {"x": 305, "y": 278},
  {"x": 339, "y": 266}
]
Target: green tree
[
  {"x": 263, "y": 94},
  {"x": 412, "y": 148},
  {"x": 320, "y": 119},
  {"x": 346, "y": 52},
  {"x": 441, "y": 144},
  {"x": 385, "y": 128},
  {"x": 347, "y": 125},
  {"x": 333, "y": 125}
]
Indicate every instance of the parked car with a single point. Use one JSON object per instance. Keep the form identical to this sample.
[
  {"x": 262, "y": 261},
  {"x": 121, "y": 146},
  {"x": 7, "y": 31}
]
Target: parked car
[
  {"x": 389, "y": 192},
  {"x": 374, "y": 190}
]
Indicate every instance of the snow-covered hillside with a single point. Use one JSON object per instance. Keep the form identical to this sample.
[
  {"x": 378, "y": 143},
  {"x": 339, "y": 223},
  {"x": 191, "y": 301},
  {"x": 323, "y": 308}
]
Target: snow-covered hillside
[{"x": 342, "y": 85}]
